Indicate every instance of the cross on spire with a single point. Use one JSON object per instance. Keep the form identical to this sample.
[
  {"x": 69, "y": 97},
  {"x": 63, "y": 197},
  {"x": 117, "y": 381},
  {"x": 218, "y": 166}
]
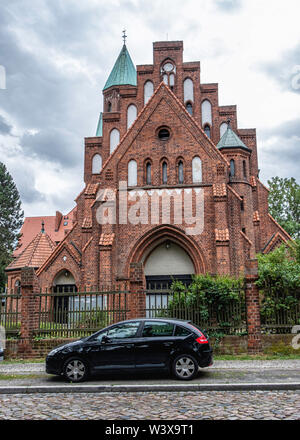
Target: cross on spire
[{"x": 124, "y": 36}]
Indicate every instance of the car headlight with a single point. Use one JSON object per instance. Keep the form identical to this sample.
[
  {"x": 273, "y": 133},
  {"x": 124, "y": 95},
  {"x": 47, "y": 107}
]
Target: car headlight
[{"x": 53, "y": 352}]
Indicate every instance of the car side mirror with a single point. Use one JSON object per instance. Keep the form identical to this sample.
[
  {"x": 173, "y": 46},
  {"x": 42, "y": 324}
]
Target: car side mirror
[{"x": 105, "y": 339}]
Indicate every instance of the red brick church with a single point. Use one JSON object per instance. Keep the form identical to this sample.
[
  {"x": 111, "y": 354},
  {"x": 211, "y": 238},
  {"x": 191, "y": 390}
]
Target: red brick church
[{"x": 171, "y": 188}]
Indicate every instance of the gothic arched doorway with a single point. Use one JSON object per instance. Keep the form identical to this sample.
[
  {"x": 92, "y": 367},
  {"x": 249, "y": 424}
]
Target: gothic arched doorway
[
  {"x": 166, "y": 263},
  {"x": 63, "y": 284}
]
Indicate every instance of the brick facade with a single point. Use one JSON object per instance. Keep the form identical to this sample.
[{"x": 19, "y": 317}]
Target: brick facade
[{"x": 236, "y": 222}]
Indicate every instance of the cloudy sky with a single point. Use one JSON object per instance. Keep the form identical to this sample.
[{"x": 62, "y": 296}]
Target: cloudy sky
[{"x": 57, "y": 55}]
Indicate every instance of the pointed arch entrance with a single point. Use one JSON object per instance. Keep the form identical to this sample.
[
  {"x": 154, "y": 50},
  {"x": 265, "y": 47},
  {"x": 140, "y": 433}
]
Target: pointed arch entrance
[
  {"x": 64, "y": 282},
  {"x": 167, "y": 253}
]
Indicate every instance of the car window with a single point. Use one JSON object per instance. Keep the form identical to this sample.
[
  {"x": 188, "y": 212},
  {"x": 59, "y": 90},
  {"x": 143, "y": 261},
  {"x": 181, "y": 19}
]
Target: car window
[
  {"x": 123, "y": 331},
  {"x": 152, "y": 329},
  {"x": 182, "y": 331}
]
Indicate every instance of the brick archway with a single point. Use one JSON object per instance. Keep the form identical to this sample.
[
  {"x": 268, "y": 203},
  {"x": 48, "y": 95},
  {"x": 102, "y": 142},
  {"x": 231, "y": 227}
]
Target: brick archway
[{"x": 146, "y": 244}]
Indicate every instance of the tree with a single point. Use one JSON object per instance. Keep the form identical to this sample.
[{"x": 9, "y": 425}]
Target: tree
[
  {"x": 284, "y": 204},
  {"x": 11, "y": 219}
]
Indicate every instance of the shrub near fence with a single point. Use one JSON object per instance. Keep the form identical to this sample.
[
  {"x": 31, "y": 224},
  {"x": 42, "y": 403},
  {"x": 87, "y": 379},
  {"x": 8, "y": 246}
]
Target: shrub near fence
[{"x": 215, "y": 304}]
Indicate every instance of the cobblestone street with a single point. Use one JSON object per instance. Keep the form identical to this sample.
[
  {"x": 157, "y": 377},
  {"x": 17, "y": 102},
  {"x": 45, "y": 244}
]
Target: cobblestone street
[{"x": 256, "y": 405}]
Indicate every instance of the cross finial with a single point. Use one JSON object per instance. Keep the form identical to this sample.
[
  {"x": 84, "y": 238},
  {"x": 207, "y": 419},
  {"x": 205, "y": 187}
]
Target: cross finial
[
  {"x": 43, "y": 227},
  {"x": 228, "y": 122},
  {"x": 124, "y": 36}
]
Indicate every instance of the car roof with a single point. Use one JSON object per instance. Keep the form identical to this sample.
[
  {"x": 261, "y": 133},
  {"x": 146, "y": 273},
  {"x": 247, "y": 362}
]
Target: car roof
[{"x": 173, "y": 320}]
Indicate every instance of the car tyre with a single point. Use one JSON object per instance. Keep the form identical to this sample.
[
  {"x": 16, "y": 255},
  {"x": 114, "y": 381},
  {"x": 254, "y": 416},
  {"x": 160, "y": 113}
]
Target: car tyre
[
  {"x": 185, "y": 367},
  {"x": 75, "y": 370}
]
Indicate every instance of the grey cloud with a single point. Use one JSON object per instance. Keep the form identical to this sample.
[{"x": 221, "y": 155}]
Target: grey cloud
[
  {"x": 288, "y": 129},
  {"x": 5, "y": 128},
  {"x": 54, "y": 145},
  {"x": 228, "y": 5},
  {"x": 286, "y": 70}
]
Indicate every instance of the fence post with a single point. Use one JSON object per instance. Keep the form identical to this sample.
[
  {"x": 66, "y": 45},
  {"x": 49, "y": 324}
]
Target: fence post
[
  {"x": 29, "y": 287},
  {"x": 252, "y": 307},
  {"x": 137, "y": 292}
]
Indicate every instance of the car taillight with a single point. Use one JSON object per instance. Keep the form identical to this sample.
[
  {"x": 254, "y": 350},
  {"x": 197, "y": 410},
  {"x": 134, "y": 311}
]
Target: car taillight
[{"x": 202, "y": 339}]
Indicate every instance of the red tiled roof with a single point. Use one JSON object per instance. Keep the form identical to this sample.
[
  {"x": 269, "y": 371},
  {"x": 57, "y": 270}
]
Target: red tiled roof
[
  {"x": 34, "y": 255},
  {"x": 32, "y": 226}
]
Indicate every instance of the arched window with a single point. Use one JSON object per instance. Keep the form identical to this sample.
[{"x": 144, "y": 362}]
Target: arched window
[
  {"x": 109, "y": 106},
  {"x": 96, "y": 164},
  {"x": 232, "y": 168},
  {"x": 168, "y": 71},
  {"x": 189, "y": 108},
  {"x": 223, "y": 128},
  {"x": 188, "y": 90},
  {"x": 206, "y": 113},
  {"x": 17, "y": 289},
  {"x": 164, "y": 173},
  {"x": 132, "y": 173},
  {"x": 148, "y": 173},
  {"x": 131, "y": 115},
  {"x": 197, "y": 170},
  {"x": 207, "y": 130},
  {"x": 180, "y": 172},
  {"x": 148, "y": 91},
  {"x": 114, "y": 140},
  {"x": 244, "y": 169}
]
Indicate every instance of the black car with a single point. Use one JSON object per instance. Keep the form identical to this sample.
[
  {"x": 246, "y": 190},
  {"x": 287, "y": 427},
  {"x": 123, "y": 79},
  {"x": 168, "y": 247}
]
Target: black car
[{"x": 179, "y": 347}]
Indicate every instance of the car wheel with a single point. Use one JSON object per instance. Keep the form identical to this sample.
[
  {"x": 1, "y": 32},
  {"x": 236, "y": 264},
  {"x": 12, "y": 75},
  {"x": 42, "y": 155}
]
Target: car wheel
[
  {"x": 75, "y": 370},
  {"x": 185, "y": 367}
]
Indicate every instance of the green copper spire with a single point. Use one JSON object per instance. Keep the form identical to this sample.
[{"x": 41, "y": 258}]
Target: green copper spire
[
  {"x": 123, "y": 72},
  {"x": 231, "y": 140},
  {"x": 99, "y": 131}
]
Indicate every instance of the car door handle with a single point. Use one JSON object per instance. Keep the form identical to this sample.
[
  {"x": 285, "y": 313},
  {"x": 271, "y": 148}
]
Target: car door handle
[
  {"x": 143, "y": 346},
  {"x": 129, "y": 345},
  {"x": 168, "y": 344}
]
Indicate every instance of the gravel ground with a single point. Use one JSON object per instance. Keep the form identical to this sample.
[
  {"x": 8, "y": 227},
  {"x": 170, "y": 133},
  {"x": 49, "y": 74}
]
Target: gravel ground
[{"x": 258, "y": 405}]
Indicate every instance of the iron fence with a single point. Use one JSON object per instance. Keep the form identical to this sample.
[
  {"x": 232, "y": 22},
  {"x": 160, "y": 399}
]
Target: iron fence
[
  {"x": 68, "y": 314},
  {"x": 229, "y": 318},
  {"x": 10, "y": 313},
  {"x": 279, "y": 311}
]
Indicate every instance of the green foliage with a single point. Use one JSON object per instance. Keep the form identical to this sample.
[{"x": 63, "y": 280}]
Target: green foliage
[
  {"x": 207, "y": 301},
  {"x": 11, "y": 219},
  {"x": 279, "y": 279},
  {"x": 284, "y": 204}
]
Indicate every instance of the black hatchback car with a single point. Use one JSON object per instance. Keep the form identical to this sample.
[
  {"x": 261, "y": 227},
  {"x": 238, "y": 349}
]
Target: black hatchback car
[{"x": 179, "y": 347}]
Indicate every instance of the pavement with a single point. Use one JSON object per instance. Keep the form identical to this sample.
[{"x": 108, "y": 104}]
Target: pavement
[
  {"x": 222, "y": 376},
  {"x": 229, "y": 390}
]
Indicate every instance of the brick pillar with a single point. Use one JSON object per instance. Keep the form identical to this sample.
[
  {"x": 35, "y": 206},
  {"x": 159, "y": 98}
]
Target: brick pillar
[
  {"x": 29, "y": 318},
  {"x": 253, "y": 307},
  {"x": 137, "y": 291}
]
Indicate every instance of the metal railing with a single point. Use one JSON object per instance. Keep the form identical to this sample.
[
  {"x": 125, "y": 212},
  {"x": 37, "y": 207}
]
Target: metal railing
[
  {"x": 215, "y": 318},
  {"x": 279, "y": 315},
  {"x": 10, "y": 313}
]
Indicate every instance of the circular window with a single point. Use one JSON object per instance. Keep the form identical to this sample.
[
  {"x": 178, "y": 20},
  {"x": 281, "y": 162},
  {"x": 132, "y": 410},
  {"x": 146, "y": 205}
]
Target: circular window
[
  {"x": 163, "y": 134},
  {"x": 168, "y": 67}
]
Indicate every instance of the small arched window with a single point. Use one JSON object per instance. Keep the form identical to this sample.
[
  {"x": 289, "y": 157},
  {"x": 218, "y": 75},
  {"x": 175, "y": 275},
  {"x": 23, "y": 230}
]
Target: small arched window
[
  {"x": 189, "y": 108},
  {"x": 206, "y": 113},
  {"x": 244, "y": 169},
  {"x": 223, "y": 129},
  {"x": 164, "y": 173},
  {"x": 148, "y": 91},
  {"x": 17, "y": 289},
  {"x": 96, "y": 164},
  {"x": 207, "y": 131},
  {"x": 148, "y": 173},
  {"x": 109, "y": 106},
  {"x": 168, "y": 71},
  {"x": 114, "y": 140},
  {"x": 131, "y": 115},
  {"x": 180, "y": 172},
  {"x": 197, "y": 170},
  {"x": 188, "y": 90},
  {"x": 232, "y": 168},
  {"x": 132, "y": 173}
]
